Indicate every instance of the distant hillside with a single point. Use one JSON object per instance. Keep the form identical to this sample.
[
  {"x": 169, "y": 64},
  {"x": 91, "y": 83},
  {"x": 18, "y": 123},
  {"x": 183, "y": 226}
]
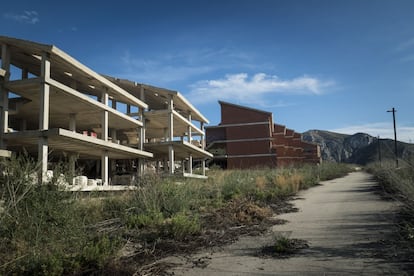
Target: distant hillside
[{"x": 359, "y": 148}]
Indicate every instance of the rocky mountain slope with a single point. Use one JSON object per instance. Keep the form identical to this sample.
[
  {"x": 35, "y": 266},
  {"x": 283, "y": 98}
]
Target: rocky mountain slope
[{"x": 359, "y": 148}]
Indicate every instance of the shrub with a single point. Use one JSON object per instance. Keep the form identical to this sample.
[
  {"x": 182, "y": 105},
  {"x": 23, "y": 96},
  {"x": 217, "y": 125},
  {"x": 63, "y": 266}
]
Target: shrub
[
  {"x": 182, "y": 225},
  {"x": 42, "y": 229}
]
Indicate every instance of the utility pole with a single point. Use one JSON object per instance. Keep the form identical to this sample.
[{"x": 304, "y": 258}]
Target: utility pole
[{"x": 395, "y": 135}]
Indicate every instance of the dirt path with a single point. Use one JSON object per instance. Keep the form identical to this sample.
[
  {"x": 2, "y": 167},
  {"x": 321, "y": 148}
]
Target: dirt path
[{"x": 344, "y": 222}]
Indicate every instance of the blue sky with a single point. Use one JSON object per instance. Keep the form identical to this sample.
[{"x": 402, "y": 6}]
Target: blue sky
[{"x": 316, "y": 64}]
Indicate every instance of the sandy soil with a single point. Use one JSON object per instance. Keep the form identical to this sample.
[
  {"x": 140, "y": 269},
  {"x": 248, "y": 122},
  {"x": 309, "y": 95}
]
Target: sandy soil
[{"x": 344, "y": 222}]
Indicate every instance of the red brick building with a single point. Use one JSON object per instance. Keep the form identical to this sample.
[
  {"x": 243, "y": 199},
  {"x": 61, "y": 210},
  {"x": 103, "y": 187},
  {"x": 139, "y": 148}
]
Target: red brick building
[{"x": 248, "y": 137}]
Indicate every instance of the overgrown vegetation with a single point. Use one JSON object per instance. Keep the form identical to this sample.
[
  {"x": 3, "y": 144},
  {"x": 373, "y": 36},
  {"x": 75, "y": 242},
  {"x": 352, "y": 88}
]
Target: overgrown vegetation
[
  {"x": 398, "y": 183},
  {"x": 283, "y": 246},
  {"x": 47, "y": 231}
]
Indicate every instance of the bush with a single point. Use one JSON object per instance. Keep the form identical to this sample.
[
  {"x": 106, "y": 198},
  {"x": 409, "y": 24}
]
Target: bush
[
  {"x": 182, "y": 225},
  {"x": 398, "y": 183},
  {"x": 42, "y": 229}
]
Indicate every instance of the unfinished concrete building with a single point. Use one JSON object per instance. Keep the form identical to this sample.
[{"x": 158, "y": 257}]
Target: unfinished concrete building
[
  {"x": 53, "y": 106},
  {"x": 248, "y": 138},
  {"x": 174, "y": 128}
]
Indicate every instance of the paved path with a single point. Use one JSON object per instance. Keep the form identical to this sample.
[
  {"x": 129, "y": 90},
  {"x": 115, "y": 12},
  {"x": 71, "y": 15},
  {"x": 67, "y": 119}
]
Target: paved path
[{"x": 343, "y": 221}]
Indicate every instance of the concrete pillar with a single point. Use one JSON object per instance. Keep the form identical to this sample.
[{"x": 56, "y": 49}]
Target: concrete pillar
[
  {"x": 105, "y": 168},
  {"x": 44, "y": 114},
  {"x": 158, "y": 166},
  {"x": 72, "y": 122},
  {"x": 104, "y": 136},
  {"x": 141, "y": 130},
  {"x": 203, "y": 146},
  {"x": 203, "y": 143},
  {"x": 43, "y": 150},
  {"x": 190, "y": 164},
  {"x": 203, "y": 167},
  {"x": 104, "y": 120},
  {"x": 4, "y": 93},
  {"x": 72, "y": 161},
  {"x": 171, "y": 134},
  {"x": 189, "y": 137},
  {"x": 141, "y": 136},
  {"x": 114, "y": 136}
]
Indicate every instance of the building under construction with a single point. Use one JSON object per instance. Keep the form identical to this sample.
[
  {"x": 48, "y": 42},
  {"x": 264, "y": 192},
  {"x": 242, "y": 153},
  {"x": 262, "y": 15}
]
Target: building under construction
[
  {"x": 56, "y": 108},
  {"x": 248, "y": 138}
]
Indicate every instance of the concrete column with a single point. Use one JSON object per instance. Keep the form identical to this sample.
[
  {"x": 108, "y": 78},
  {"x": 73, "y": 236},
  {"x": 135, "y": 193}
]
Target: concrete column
[
  {"x": 105, "y": 168},
  {"x": 72, "y": 116},
  {"x": 72, "y": 122},
  {"x": 190, "y": 164},
  {"x": 104, "y": 136},
  {"x": 203, "y": 167},
  {"x": 43, "y": 150},
  {"x": 203, "y": 143},
  {"x": 44, "y": 114},
  {"x": 141, "y": 130},
  {"x": 158, "y": 167},
  {"x": 44, "y": 93},
  {"x": 141, "y": 136},
  {"x": 203, "y": 146},
  {"x": 171, "y": 134},
  {"x": 104, "y": 120},
  {"x": 4, "y": 93},
  {"x": 113, "y": 135},
  {"x": 72, "y": 161},
  {"x": 189, "y": 137}
]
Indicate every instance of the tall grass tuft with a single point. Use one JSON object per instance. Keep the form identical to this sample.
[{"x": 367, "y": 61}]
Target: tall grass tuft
[
  {"x": 42, "y": 230},
  {"x": 399, "y": 184}
]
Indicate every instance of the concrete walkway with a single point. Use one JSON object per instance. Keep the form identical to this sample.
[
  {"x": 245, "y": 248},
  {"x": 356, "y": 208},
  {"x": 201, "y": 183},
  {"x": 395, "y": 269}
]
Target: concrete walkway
[{"x": 344, "y": 222}]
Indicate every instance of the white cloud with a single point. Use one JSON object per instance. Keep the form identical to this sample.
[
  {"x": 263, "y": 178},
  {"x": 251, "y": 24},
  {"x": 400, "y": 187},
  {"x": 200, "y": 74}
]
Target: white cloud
[
  {"x": 405, "y": 133},
  {"x": 28, "y": 17},
  {"x": 240, "y": 87}
]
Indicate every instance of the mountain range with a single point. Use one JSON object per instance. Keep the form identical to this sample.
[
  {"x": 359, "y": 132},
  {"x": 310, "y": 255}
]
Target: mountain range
[{"x": 359, "y": 148}]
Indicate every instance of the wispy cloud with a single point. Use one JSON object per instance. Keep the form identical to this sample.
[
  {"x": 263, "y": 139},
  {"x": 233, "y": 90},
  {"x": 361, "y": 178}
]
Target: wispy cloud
[
  {"x": 406, "y": 50},
  {"x": 168, "y": 67},
  {"x": 241, "y": 87},
  {"x": 27, "y": 17},
  {"x": 405, "y": 45},
  {"x": 383, "y": 129}
]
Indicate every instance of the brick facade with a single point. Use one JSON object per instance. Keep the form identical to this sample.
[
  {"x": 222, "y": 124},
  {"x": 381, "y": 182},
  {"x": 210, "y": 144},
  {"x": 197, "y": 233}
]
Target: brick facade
[{"x": 248, "y": 138}]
